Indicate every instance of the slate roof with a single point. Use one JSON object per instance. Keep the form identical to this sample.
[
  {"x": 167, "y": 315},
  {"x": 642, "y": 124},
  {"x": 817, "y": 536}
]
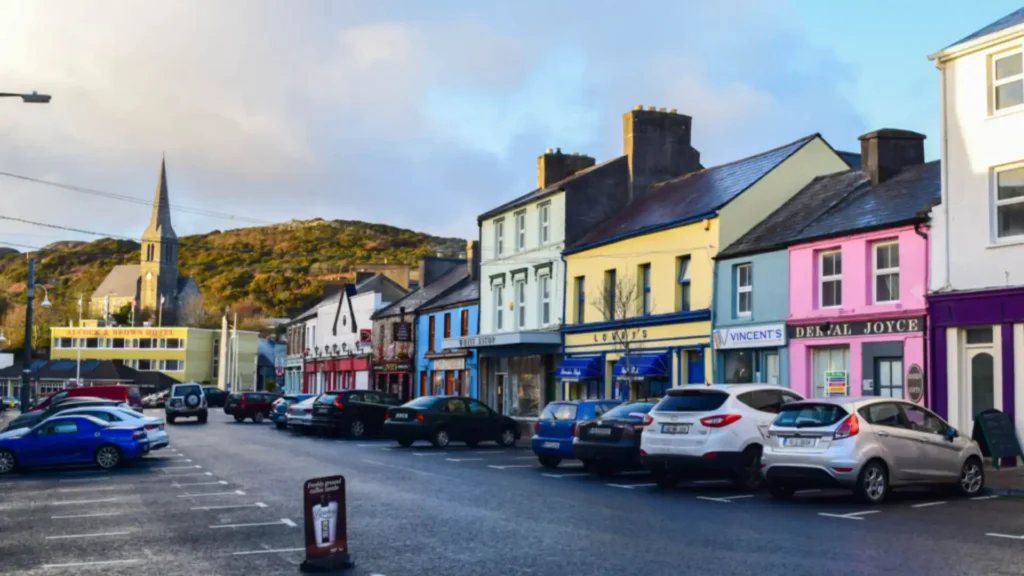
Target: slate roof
[
  {"x": 852, "y": 159},
  {"x": 539, "y": 193},
  {"x": 123, "y": 281},
  {"x": 424, "y": 296},
  {"x": 840, "y": 204},
  {"x": 467, "y": 291},
  {"x": 690, "y": 197},
  {"x": 1010, "y": 20}
]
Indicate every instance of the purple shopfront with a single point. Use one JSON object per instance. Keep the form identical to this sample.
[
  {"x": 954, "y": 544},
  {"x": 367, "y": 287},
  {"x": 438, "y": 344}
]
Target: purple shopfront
[{"x": 977, "y": 349}]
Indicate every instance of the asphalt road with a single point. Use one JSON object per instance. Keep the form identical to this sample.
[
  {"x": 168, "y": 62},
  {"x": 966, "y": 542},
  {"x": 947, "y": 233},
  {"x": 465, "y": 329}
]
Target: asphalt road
[{"x": 225, "y": 498}]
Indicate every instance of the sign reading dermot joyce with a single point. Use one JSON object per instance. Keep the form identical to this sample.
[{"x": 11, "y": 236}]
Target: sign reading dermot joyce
[
  {"x": 840, "y": 329},
  {"x": 765, "y": 335}
]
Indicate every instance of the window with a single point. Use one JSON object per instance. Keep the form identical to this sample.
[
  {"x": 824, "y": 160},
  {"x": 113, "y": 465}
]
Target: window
[
  {"x": 174, "y": 343},
  {"x": 464, "y": 323},
  {"x": 65, "y": 342},
  {"x": 609, "y": 294},
  {"x": 499, "y": 237},
  {"x": 887, "y": 272},
  {"x": 62, "y": 427},
  {"x": 581, "y": 294},
  {"x": 691, "y": 401},
  {"x": 430, "y": 333},
  {"x": 739, "y": 366},
  {"x": 807, "y": 415},
  {"x": 455, "y": 406},
  {"x": 1009, "y": 205},
  {"x": 478, "y": 408},
  {"x": 520, "y": 230},
  {"x": 172, "y": 365},
  {"x": 1008, "y": 81},
  {"x": 544, "y": 223},
  {"x": 645, "y": 289},
  {"x": 499, "y": 302},
  {"x": 830, "y": 271},
  {"x": 146, "y": 343},
  {"x": 92, "y": 343},
  {"x": 765, "y": 400},
  {"x": 559, "y": 411},
  {"x": 979, "y": 335},
  {"x": 545, "y": 300},
  {"x": 922, "y": 420},
  {"x": 683, "y": 283},
  {"x": 882, "y": 414},
  {"x": 521, "y": 303},
  {"x": 744, "y": 289},
  {"x": 145, "y": 365},
  {"x": 448, "y": 325}
]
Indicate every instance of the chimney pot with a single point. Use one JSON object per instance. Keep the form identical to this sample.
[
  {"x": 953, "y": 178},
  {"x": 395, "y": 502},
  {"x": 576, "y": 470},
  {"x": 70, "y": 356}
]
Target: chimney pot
[
  {"x": 638, "y": 107},
  {"x": 883, "y": 153},
  {"x": 549, "y": 151},
  {"x": 662, "y": 109},
  {"x": 558, "y": 150},
  {"x": 650, "y": 108},
  {"x": 674, "y": 111}
]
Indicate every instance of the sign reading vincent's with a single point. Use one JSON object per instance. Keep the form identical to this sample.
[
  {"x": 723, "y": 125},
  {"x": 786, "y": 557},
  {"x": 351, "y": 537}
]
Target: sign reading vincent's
[{"x": 869, "y": 328}]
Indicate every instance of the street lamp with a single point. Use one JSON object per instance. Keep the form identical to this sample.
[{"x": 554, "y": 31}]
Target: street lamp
[
  {"x": 33, "y": 98},
  {"x": 30, "y": 294}
]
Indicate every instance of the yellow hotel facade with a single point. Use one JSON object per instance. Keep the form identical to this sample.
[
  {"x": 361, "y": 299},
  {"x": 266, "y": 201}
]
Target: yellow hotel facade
[{"x": 653, "y": 267}]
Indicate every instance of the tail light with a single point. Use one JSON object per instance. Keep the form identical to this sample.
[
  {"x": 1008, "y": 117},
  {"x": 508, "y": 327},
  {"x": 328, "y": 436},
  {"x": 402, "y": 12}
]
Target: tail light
[
  {"x": 419, "y": 417},
  {"x": 138, "y": 435},
  {"x": 242, "y": 402},
  {"x": 572, "y": 431},
  {"x": 648, "y": 419},
  {"x": 307, "y": 410},
  {"x": 536, "y": 427},
  {"x": 850, "y": 427},
  {"x": 152, "y": 426},
  {"x": 338, "y": 403},
  {"x": 720, "y": 420}
]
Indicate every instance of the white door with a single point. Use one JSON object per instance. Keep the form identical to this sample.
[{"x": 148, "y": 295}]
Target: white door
[
  {"x": 828, "y": 359},
  {"x": 771, "y": 367}
]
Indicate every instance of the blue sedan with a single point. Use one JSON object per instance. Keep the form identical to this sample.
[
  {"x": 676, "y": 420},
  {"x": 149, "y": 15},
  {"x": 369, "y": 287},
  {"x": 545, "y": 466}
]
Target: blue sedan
[
  {"x": 63, "y": 440},
  {"x": 554, "y": 432}
]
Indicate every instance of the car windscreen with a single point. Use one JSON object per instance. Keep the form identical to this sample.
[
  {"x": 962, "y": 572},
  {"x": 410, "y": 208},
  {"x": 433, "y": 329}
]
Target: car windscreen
[
  {"x": 628, "y": 411},
  {"x": 288, "y": 399},
  {"x": 309, "y": 400},
  {"x": 421, "y": 403},
  {"x": 182, "y": 391},
  {"x": 559, "y": 411},
  {"x": 809, "y": 415},
  {"x": 326, "y": 399},
  {"x": 692, "y": 401}
]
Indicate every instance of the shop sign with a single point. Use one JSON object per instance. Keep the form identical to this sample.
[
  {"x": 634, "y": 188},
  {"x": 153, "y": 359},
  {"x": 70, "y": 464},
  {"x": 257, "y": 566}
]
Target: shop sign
[
  {"x": 629, "y": 335},
  {"x": 915, "y": 383},
  {"x": 119, "y": 333},
  {"x": 836, "y": 384},
  {"x": 393, "y": 367},
  {"x": 869, "y": 328},
  {"x": 631, "y": 373},
  {"x": 763, "y": 336},
  {"x": 450, "y": 364},
  {"x": 402, "y": 331},
  {"x": 325, "y": 523},
  {"x": 365, "y": 337},
  {"x": 477, "y": 341}
]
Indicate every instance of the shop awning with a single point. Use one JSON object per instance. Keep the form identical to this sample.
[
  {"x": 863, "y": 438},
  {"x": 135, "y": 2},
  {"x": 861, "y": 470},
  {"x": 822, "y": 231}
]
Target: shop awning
[
  {"x": 642, "y": 366},
  {"x": 576, "y": 368}
]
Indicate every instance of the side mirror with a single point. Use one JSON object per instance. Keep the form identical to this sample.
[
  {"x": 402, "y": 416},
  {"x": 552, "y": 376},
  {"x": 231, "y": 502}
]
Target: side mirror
[{"x": 951, "y": 433}]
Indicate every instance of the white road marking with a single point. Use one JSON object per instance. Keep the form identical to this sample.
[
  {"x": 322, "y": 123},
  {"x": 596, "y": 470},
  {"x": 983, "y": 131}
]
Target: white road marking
[
  {"x": 87, "y": 564},
  {"x": 524, "y": 458},
  {"x": 238, "y": 492},
  {"x": 850, "y": 516},
  {"x": 427, "y": 453},
  {"x": 93, "y": 515},
  {"x": 93, "y": 489},
  {"x": 215, "y": 482},
  {"x": 367, "y": 445},
  {"x": 631, "y": 486},
  {"x": 926, "y": 504},
  {"x": 567, "y": 475},
  {"x": 284, "y": 522},
  {"x": 67, "y": 502},
  {"x": 278, "y": 551},
  {"x": 462, "y": 459},
  {"x": 725, "y": 499},
  {"x": 985, "y": 497},
  {"x": 510, "y": 466},
  {"x": 183, "y": 474},
  {"x": 230, "y": 506},
  {"x": 387, "y": 449},
  {"x": 95, "y": 535},
  {"x": 288, "y": 522},
  {"x": 181, "y": 467},
  {"x": 1010, "y": 536}
]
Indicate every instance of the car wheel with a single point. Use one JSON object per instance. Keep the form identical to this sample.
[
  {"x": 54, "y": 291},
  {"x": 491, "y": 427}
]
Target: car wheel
[
  {"x": 873, "y": 483},
  {"x": 192, "y": 401},
  {"x": 507, "y": 438},
  {"x": 280, "y": 425},
  {"x": 170, "y": 419},
  {"x": 306, "y": 431},
  {"x": 239, "y": 419},
  {"x": 748, "y": 476},
  {"x": 780, "y": 492},
  {"x": 440, "y": 439},
  {"x": 972, "y": 477},
  {"x": 405, "y": 443},
  {"x": 356, "y": 429},
  {"x": 257, "y": 417},
  {"x": 665, "y": 479},
  {"x": 549, "y": 461},
  {"x": 107, "y": 457},
  {"x": 7, "y": 462}
]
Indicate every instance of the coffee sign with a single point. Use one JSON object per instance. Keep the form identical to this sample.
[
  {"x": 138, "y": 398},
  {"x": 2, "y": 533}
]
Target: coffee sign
[
  {"x": 325, "y": 524},
  {"x": 915, "y": 383},
  {"x": 869, "y": 328}
]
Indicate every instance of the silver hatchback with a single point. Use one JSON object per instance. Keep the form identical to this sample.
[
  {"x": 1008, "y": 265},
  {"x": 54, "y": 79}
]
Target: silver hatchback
[{"x": 868, "y": 445}]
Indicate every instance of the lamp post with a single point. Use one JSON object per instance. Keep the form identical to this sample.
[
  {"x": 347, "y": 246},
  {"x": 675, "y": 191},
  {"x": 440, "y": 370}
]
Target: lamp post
[
  {"x": 27, "y": 352},
  {"x": 33, "y": 98},
  {"x": 78, "y": 365}
]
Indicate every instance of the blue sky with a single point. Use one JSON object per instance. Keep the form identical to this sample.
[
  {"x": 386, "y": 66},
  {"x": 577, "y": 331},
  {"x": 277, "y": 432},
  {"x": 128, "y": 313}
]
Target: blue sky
[{"x": 425, "y": 114}]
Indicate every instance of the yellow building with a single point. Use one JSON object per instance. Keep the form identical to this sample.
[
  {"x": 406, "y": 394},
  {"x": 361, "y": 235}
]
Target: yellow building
[
  {"x": 639, "y": 287},
  {"x": 185, "y": 354}
]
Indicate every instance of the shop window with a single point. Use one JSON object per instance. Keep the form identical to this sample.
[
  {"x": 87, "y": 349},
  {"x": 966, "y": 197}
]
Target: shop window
[
  {"x": 739, "y": 367},
  {"x": 830, "y": 272},
  {"x": 448, "y": 325},
  {"x": 744, "y": 289},
  {"x": 828, "y": 359},
  {"x": 886, "y": 272},
  {"x": 889, "y": 377},
  {"x": 1008, "y": 80},
  {"x": 682, "y": 283},
  {"x": 1009, "y": 204},
  {"x": 645, "y": 289},
  {"x": 609, "y": 294}
]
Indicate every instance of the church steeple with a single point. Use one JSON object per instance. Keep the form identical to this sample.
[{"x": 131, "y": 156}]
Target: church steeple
[
  {"x": 159, "y": 266},
  {"x": 160, "y": 222}
]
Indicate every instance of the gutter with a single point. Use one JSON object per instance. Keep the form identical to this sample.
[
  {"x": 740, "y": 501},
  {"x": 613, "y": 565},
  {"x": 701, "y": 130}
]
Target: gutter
[
  {"x": 944, "y": 173},
  {"x": 642, "y": 231}
]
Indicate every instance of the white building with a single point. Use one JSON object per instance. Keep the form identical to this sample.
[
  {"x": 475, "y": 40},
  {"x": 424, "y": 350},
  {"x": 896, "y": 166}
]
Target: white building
[{"x": 976, "y": 304}]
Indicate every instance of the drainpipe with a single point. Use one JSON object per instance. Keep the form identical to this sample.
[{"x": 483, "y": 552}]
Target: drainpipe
[
  {"x": 927, "y": 367},
  {"x": 944, "y": 175},
  {"x": 565, "y": 286},
  {"x": 714, "y": 307}
]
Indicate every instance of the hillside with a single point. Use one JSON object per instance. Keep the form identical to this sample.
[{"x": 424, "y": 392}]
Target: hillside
[{"x": 264, "y": 271}]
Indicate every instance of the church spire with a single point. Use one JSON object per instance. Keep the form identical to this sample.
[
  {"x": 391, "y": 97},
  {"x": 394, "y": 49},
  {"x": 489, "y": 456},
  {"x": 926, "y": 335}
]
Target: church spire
[{"x": 160, "y": 222}]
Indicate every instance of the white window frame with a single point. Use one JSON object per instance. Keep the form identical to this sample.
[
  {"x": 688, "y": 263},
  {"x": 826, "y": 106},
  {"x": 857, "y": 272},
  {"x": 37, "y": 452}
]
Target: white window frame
[
  {"x": 745, "y": 289},
  {"x": 520, "y": 218},
  {"x": 822, "y": 279},
  {"x": 1003, "y": 81},
  {"x": 497, "y": 292},
  {"x": 519, "y": 293},
  {"x": 876, "y": 271},
  {"x": 997, "y": 203},
  {"x": 499, "y": 237},
  {"x": 544, "y": 223},
  {"x": 544, "y": 299}
]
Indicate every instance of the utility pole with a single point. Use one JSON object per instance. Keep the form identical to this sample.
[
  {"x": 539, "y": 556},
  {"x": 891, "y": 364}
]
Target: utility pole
[
  {"x": 78, "y": 367},
  {"x": 26, "y": 358},
  {"x": 160, "y": 313}
]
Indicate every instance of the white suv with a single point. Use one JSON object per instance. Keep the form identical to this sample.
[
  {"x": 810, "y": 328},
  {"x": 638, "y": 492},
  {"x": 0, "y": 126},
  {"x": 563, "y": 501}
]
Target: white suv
[
  {"x": 711, "y": 430},
  {"x": 186, "y": 401}
]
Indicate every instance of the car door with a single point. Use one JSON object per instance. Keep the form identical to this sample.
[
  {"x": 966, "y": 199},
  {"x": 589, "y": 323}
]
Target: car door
[
  {"x": 373, "y": 410},
  {"x": 765, "y": 405},
  {"x": 903, "y": 450},
  {"x": 57, "y": 443},
  {"x": 459, "y": 425},
  {"x": 482, "y": 422},
  {"x": 941, "y": 458}
]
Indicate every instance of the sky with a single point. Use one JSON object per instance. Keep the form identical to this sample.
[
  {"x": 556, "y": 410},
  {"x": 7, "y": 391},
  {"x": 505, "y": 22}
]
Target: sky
[{"x": 423, "y": 114}]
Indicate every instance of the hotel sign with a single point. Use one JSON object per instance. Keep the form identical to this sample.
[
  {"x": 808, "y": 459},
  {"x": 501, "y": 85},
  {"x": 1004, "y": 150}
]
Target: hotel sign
[
  {"x": 117, "y": 333},
  {"x": 869, "y": 328}
]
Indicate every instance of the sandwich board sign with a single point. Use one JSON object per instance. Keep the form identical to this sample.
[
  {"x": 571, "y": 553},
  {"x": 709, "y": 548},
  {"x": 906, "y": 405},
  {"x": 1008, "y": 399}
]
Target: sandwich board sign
[{"x": 325, "y": 525}]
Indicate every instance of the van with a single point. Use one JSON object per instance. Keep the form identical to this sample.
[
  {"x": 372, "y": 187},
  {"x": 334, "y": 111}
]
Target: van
[{"x": 119, "y": 393}]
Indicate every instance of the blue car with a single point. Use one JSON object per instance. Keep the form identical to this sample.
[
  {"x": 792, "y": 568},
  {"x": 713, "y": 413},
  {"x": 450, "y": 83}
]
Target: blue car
[
  {"x": 63, "y": 440},
  {"x": 553, "y": 434},
  {"x": 279, "y": 411}
]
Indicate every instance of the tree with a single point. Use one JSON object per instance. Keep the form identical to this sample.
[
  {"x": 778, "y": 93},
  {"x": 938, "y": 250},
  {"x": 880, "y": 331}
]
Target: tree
[
  {"x": 620, "y": 300},
  {"x": 123, "y": 316},
  {"x": 193, "y": 313}
]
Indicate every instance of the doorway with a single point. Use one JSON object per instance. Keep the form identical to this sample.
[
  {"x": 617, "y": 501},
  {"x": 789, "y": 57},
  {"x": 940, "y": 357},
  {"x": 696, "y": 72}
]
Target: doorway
[
  {"x": 771, "y": 368},
  {"x": 828, "y": 359},
  {"x": 978, "y": 385},
  {"x": 500, "y": 380},
  {"x": 889, "y": 377},
  {"x": 694, "y": 366}
]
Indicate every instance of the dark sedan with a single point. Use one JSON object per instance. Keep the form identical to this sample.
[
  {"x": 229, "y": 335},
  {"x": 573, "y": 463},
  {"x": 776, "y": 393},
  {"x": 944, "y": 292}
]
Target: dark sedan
[
  {"x": 352, "y": 413},
  {"x": 611, "y": 442},
  {"x": 444, "y": 419}
]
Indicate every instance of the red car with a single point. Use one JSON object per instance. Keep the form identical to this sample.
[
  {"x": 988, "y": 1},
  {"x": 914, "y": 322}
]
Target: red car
[
  {"x": 119, "y": 393},
  {"x": 255, "y": 405}
]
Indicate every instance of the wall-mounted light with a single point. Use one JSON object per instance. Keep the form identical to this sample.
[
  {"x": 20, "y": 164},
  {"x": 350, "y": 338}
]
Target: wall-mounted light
[{"x": 707, "y": 223}]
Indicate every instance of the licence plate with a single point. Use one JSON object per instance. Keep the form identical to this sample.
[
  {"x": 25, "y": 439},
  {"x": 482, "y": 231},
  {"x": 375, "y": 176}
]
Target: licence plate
[
  {"x": 551, "y": 445},
  {"x": 675, "y": 428},
  {"x": 401, "y": 416},
  {"x": 600, "y": 432},
  {"x": 798, "y": 442}
]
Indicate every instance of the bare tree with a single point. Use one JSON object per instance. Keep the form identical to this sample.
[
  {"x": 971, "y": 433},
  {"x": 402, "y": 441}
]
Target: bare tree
[
  {"x": 193, "y": 312},
  {"x": 619, "y": 300}
]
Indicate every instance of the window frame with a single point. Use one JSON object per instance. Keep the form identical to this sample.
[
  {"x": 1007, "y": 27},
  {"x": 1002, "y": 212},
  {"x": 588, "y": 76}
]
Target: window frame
[
  {"x": 499, "y": 237},
  {"x": 996, "y": 83},
  {"x": 464, "y": 323},
  {"x": 447, "y": 325},
  {"x": 520, "y": 222},
  {"x": 645, "y": 289},
  {"x": 822, "y": 279},
  {"x": 745, "y": 289},
  {"x": 519, "y": 293},
  {"x": 997, "y": 203},
  {"x": 610, "y": 278},
  {"x": 498, "y": 295},
  {"x": 877, "y": 272},
  {"x": 544, "y": 281},
  {"x": 580, "y": 285},
  {"x": 431, "y": 332},
  {"x": 544, "y": 223},
  {"x": 683, "y": 283}
]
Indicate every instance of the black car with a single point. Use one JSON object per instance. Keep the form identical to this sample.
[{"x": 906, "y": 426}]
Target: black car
[
  {"x": 443, "y": 419},
  {"x": 353, "y": 413},
  {"x": 29, "y": 419},
  {"x": 611, "y": 442},
  {"x": 215, "y": 397}
]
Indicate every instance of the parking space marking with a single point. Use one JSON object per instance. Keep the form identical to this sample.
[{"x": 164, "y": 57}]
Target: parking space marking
[
  {"x": 92, "y": 515},
  {"x": 288, "y": 522},
  {"x": 428, "y": 453},
  {"x": 236, "y": 492},
  {"x": 567, "y": 475},
  {"x": 850, "y": 516},
  {"x": 405, "y": 468},
  {"x": 230, "y": 506},
  {"x": 184, "y": 474},
  {"x": 179, "y": 467},
  {"x": 215, "y": 482},
  {"x": 1010, "y": 536},
  {"x": 88, "y": 564},
  {"x": 631, "y": 486},
  {"x": 92, "y": 488},
  {"x": 95, "y": 535},
  {"x": 510, "y": 466},
  {"x": 927, "y": 504},
  {"x": 462, "y": 459},
  {"x": 281, "y": 522},
  {"x": 989, "y": 497},
  {"x": 67, "y": 502},
  {"x": 725, "y": 499},
  {"x": 277, "y": 551}
]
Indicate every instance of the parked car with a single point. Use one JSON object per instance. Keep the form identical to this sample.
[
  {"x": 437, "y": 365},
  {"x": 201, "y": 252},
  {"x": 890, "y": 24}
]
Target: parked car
[
  {"x": 155, "y": 430},
  {"x": 711, "y": 430},
  {"x": 157, "y": 400},
  {"x": 30, "y": 419},
  {"x": 353, "y": 413},
  {"x": 10, "y": 402},
  {"x": 299, "y": 416},
  {"x": 127, "y": 394},
  {"x": 255, "y": 405},
  {"x": 444, "y": 419},
  {"x": 611, "y": 442},
  {"x": 215, "y": 397},
  {"x": 554, "y": 431},
  {"x": 72, "y": 440},
  {"x": 186, "y": 401},
  {"x": 279, "y": 409},
  {"x": 869, "y": 445}
]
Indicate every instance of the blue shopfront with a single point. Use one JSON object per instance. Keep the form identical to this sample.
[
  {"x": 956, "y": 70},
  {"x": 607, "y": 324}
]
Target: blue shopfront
[{"x": 635, "y": 375}]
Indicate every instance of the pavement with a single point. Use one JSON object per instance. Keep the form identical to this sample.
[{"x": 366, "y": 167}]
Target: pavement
[{"x": 225, "y": 498}]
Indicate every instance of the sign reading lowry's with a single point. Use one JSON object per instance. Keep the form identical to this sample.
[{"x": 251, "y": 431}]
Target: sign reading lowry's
[{"x": 869, "y": 328}]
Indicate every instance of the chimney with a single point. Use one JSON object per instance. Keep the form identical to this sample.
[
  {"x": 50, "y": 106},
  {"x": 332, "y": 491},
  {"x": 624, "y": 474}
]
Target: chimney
[
  {"x": 473, "y": 258},
  {"x": 883, "y": 153},
  {"x": 657, "y": 143},
  {"x": 553, "y": 166}
]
